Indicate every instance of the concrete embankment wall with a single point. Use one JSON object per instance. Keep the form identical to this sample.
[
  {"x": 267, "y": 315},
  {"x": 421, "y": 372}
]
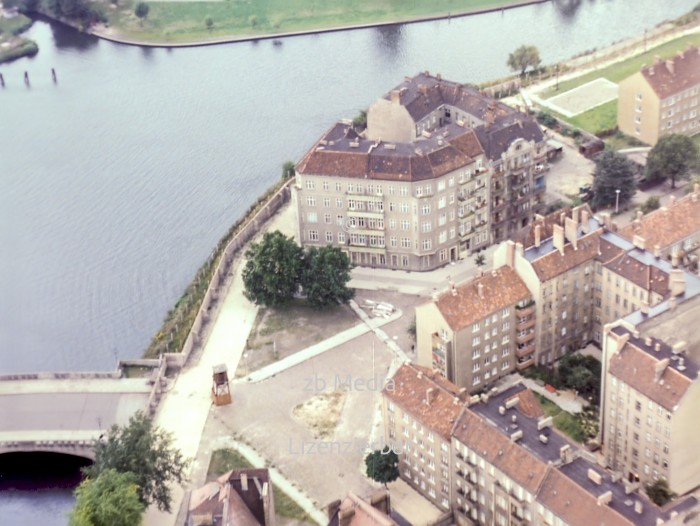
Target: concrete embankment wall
[{"x": 218, "y": 283}]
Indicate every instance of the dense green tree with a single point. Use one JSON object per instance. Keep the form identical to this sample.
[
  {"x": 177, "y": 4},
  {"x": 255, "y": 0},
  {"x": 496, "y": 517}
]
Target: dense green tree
[
  {"x": 659, "y": 492},
  {"x": 576, "y": 371},
  {"x": 674, "y": 157},
  {"x": 272, "y": 273},
  {"x": 524, "y": 57},
  {"x": 359, "y": 123},
  {"x": 145, "y": 451},
  {"x": 480, "y": 260},
  {"x": 72, "y": 8},
  {"x": 613, "y": 171},
  {"x": 111, "y": 499},
  {"x": 325, "y": 276},
  {"x": 288, "y": 170},
  {"x": 382, "y": 466},
  {"x": 209, "y": 22},
  {"x": 651, "y": 204},
  {"x": 141, "y": 11}
]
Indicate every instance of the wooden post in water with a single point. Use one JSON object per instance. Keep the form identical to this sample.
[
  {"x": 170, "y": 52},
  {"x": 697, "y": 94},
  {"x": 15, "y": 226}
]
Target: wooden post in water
[
  {"x": 53, "y": 76},
  {"x": 2, "y": 80},
  {"x": 26, "y": 78}
]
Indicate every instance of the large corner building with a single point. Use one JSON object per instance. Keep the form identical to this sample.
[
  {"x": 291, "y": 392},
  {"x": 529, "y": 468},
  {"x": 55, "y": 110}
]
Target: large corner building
[{"x": 440, "y": 171}]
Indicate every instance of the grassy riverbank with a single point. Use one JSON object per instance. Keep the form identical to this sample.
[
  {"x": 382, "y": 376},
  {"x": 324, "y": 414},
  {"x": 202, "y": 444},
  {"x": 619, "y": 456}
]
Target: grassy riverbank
[
  {"x": 13, "y": 46},
  {"x": 185, "y": 22}
]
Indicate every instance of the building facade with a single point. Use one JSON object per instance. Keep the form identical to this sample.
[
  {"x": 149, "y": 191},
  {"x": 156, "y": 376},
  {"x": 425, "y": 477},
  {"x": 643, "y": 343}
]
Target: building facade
[
  {"x": 478, "y": 332},
  {"x": 662, "y": 98},
  {"x": 440, "y": 171}
]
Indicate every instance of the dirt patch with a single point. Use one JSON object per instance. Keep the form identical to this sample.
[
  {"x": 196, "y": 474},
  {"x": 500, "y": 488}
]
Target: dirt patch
[
  {"x": 278, "y": 333},
  {"x": 321, "y": 413}
]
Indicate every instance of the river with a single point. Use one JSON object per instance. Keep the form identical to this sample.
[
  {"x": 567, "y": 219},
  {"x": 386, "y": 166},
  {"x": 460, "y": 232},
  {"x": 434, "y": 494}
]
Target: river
[{"x": 116, "y": 182}]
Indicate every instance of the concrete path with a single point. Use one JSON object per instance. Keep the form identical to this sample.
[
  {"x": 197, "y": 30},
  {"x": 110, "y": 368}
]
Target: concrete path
[{"x": 321, "y": 347}]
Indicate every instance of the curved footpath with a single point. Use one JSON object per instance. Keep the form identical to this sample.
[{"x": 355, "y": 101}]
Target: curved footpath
[{"x": 104, "y": 33}]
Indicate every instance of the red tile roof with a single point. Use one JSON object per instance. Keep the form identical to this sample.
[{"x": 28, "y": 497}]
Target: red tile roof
[
  {"x": 409, "y": 391},
  {"x": 553, "y": 264},
  {"x": 677, "y": 74},
  {"x": 501, "y": 288}
]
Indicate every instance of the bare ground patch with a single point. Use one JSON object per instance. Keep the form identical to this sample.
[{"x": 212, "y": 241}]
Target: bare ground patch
[
  {"x": 321, "y": 413},
  {"x": 278, "y": 333}
]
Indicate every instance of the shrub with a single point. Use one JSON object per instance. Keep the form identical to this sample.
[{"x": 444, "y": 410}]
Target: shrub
[
  {"x": 650, "y": 204},
  {"x": 546, "y": 119}
]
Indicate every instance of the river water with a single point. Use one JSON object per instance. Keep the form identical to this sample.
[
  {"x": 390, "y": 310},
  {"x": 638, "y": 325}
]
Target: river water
[{"x": 116, "y": 182}]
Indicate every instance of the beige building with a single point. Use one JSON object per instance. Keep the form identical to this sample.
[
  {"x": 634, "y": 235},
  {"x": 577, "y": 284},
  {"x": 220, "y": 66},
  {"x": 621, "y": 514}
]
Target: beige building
[
  {"x": 672, "y": 232},
  {"x": 662, "y": 98},
  {"x": 650, "y": 391},
  {"x": 509, "y": 466},
  {"x": 419, "y": 409},
  {"x": 478, "y": 332},
  {"x": 440, "y": 171}
]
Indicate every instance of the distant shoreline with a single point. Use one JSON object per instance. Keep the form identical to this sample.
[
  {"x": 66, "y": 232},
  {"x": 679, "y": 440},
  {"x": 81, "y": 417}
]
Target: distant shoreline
[{"x": 103, "y": 33}]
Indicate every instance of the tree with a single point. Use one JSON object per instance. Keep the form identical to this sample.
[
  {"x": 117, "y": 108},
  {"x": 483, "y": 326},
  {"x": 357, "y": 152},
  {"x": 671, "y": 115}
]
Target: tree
[
  {"x": 651, "y": 204},
  {"x": 145, "y": 451},
  {"x": 288, "y": 170},
  {"x": 523, "y": 58},
  {"x": 141, "y": 11},
  {"x": 382, "y": 467},
  {"x": 325, "y": 276},
  {"x": 209, "y": 22},
  {"x": 111, "y": 499},
  {"x": 480, "y": 260},
  {"x": 612, "y": 172},
  {"x": 674, "y": 157},
  {"x": 659, "y": 492},
  {"x": 359, "y": 123},
  {"x": 273, "y": 271}
]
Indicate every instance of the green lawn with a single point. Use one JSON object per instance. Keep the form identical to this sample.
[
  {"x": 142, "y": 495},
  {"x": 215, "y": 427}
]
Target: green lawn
[
  {"x": 565, "y": 422},
  {"x": 602, "y": 117},
  {"x": 622, "y": 70},
  {"x": 179, "y": 22},
  {"x": 223, "y": 460}
]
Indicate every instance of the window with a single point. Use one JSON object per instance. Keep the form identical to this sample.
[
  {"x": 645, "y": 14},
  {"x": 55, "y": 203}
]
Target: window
[
  {"x": 406, "y": 243},
  {"x": 403, "y": 207},
  {"x": 329, "y": 237},
  {"x": 309, "y": 184},
  {"x": 341, "y": 237},
  {"x": 476, "y": 380},
  {"x": 327, "y": 219},
  {"x": 476, "y": 340},
  {"x": 427, "y": 244},
  {"x": 425, "y": 209},
  {"x": 405, "y": 224},
  {"x": 312, "y": 235},
  {"x": 338, "y": 202},
  {"x": 312, "y": 217},
  {"x": 311, "y": 200}
]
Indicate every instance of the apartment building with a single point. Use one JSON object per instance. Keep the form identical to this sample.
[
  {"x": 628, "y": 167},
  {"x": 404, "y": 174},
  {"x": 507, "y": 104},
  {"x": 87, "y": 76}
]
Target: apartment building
[
  {"x": 509, "y": 466},
  {"x": 478, "y": 332},
  {"x": 418, "y": 414},
  {"x": 662, "y": 98},
  {"x": 671, "y": 232},
  {"x": 650, "y": 391},
  {"x": 440, "y": 171}
]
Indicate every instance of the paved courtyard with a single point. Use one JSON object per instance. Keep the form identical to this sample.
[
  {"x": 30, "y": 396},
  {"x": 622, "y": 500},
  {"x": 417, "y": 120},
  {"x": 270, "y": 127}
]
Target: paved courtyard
[{"x": 584, "y": 97}]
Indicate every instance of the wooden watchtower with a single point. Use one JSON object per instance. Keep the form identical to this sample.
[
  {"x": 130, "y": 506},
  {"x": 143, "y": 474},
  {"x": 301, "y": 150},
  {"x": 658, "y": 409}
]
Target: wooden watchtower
[{"x": 220, "y": 391}]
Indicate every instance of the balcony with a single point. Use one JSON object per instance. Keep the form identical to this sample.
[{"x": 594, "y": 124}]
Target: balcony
[
  {"x": 520, "y": 366},
  {"x": 523, "y": 312},
  {"x": 525, "y": 323},
  {"x": 525, "y": 350},
  {"x": 525, "y": 337}
]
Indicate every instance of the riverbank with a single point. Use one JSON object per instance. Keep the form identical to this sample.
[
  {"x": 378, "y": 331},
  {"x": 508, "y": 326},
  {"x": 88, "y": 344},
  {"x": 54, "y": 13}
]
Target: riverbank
[
  {"x": 188, "y": 24},
  {"x": 13, "y": 46}
]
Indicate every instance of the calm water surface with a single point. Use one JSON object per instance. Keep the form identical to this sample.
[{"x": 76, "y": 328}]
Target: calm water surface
[{"x": 116, "y": 183}]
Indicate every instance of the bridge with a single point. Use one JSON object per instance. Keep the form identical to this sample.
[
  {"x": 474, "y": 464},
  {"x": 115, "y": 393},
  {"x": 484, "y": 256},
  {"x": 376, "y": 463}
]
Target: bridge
[{"x": 67, "y": 412}]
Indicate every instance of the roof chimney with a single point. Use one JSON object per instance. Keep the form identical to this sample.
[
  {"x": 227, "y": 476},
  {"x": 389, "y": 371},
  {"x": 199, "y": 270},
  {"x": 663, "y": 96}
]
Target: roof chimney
[
  {"x": 244, "y": 482},
  {"x": 562, "y": 217},
  {"x": 517, "y": 435},
  {"x": 558, "y": 239},
  {"x": 395, "y": 96},
  {"x": 538, "y": 235},
  {"x": 677, "y": 282},
  {"x": 659, "y": 369},
  {"x": 480, "y": 288},
  {"x": 510, "y": 253},
  {"x": 657, "y": 251},
  {"x": 639, "y": 242},
  {"x": 670, "y": 66},
  {"x": 429, "y": 395},
  {"x": 657, "y": 346},
  {"x": 571, "y": 231},
  {"x": 645, "y": 307},
  {"x": 565, "y": 454},
  {"x": 607, "y": 222},
  {"x": 595, "y": 476},
  {"x": 544, "y": 422},
  {"x": 575, "y": 214},
  {"x": 584, "y": 221},
  {"x": 672, "y": 199},
  {"x": 638, "y": 508},
  {"x": 605, "y": 498}
]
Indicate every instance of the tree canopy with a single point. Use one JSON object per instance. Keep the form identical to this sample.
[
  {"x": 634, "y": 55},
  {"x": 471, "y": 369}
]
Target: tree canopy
[
  {"x": 523, "y": 58},
  {"x": 659, "y": 492},
  {"x": 273, "y": 271},
  {"x": 674, "y": 157},
  {"x": 382, "y": 467},
  {"x": 111, "y": 499},
  {"x": 145, "y": 451},
  {"x": 613, "y": 171},
  {"x": 288, "y": 170},
  {"x": 142, "y": 9},
  {"x": 325, "y": 276},
  {"x": 277, "y": 268}
]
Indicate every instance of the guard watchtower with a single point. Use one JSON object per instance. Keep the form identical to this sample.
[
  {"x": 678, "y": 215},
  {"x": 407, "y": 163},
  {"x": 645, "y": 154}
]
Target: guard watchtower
[{"x": 220, "y": 391}]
